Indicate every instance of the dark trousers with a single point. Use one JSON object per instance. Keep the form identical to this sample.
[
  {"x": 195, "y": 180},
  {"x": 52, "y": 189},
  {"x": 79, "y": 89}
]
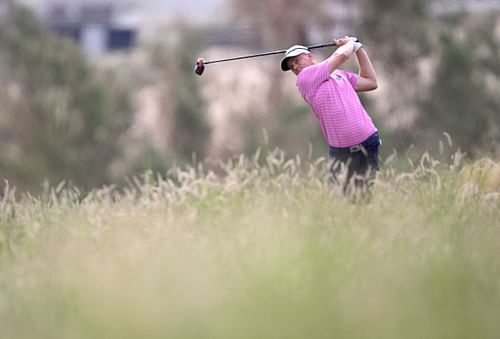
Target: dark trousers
[{"x": 359, "y": 162}]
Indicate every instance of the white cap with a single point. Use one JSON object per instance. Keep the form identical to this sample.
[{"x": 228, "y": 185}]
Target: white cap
[{"x": 292, "y": 52}]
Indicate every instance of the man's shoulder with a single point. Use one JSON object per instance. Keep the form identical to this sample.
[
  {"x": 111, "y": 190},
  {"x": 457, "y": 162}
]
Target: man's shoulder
[
  {"x": 313, "y": 68},
  {"x": 311, "y": 73}
]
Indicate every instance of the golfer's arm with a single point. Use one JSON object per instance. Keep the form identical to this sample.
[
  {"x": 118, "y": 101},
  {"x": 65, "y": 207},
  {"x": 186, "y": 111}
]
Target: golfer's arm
[
  {"x": 340, "y": 56},
  {"x": 335, "y": 60},
  {"x": 367, "y": 79}
]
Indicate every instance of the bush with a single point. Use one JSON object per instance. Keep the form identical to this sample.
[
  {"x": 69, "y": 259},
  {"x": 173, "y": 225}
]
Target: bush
[{"x": 59, "y": 119}]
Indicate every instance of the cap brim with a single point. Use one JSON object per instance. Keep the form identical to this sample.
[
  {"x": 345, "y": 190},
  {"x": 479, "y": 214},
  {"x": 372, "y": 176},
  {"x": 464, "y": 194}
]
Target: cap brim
[{"x": 284, "y": 64}]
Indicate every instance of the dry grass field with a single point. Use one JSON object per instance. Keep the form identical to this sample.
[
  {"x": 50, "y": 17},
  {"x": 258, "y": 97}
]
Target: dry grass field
[{"x": 262, "y": 249}]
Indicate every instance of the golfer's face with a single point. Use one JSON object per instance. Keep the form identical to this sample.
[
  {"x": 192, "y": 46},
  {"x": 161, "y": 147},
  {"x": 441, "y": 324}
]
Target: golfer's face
[{"x": 300, "y": 62}]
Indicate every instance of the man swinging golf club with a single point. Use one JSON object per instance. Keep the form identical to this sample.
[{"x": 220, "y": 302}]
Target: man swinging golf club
[{"x": 350, "y": 132}]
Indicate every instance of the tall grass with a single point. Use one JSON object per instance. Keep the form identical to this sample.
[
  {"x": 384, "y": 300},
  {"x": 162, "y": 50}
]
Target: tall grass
[{"x": 266, "y": 247}]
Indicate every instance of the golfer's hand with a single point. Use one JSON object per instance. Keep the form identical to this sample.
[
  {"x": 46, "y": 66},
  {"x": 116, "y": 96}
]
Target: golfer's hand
[
  {"x": 347, "y": 39},
  {"x": 345, "y": 47},
  {"x": 342, "y": 41}
]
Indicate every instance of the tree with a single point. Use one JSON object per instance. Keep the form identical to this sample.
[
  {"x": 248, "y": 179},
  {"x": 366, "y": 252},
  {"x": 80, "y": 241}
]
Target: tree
[
  {"x": 460, "y": 51},
  {"x": 397, "y": 29},
  {"x": 463, "y": 98},
  {"x": 398, "y": 34},
  {"x": 188, "y": 127},
  {"x": 58, "y": 119}
]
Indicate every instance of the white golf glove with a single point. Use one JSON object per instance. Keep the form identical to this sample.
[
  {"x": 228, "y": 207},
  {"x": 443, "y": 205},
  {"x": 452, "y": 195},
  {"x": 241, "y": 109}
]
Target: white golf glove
[
  {"x": 357, "y": 44},
  {"x": 347, "y": 49}
]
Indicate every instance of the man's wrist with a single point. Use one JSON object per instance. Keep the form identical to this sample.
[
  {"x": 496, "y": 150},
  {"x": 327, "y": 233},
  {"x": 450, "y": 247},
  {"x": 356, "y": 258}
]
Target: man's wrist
[
  {"x": 347, "y": 49},
  {"x": 357, "y": 46}
]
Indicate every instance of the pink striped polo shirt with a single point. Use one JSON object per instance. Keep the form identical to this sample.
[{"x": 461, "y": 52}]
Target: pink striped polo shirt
[{"x": 335, "y": 103}]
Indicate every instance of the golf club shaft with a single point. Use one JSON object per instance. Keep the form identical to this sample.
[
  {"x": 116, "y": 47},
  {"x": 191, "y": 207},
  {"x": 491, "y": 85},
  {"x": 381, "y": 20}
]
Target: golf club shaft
[{"x": 266, "y": 53}]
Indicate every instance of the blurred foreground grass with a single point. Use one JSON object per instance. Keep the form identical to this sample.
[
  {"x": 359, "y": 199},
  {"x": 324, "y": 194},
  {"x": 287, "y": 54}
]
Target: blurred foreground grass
[{"x": 269, "y": 250}]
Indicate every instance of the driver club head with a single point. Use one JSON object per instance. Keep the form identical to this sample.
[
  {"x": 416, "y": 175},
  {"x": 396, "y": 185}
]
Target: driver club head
[{"x": 199, "y": 68}]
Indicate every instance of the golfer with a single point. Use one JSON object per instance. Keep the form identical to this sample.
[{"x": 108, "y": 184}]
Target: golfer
[{"x": 350, "y": 132}]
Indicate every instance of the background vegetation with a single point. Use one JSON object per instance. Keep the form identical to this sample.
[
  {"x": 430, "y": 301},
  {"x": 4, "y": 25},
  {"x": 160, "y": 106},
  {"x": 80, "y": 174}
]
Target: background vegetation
[
  {"x": 59, "y": 119},
  {"x": 63, "y": 118}
]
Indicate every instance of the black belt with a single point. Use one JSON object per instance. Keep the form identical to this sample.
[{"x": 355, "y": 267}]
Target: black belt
[{"x": 372, "y": 140}]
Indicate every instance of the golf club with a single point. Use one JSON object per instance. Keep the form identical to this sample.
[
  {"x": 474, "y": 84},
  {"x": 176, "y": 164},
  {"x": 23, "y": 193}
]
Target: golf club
[{"x": 200, "y": 64}]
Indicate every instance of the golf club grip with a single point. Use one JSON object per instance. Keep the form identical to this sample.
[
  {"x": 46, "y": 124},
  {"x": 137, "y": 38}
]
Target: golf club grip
[{"x": 332, "y": 44}]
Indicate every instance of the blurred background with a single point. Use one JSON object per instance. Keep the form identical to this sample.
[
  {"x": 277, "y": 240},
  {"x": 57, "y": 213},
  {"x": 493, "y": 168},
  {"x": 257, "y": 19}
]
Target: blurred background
[{"x": 92, "y": 92}]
